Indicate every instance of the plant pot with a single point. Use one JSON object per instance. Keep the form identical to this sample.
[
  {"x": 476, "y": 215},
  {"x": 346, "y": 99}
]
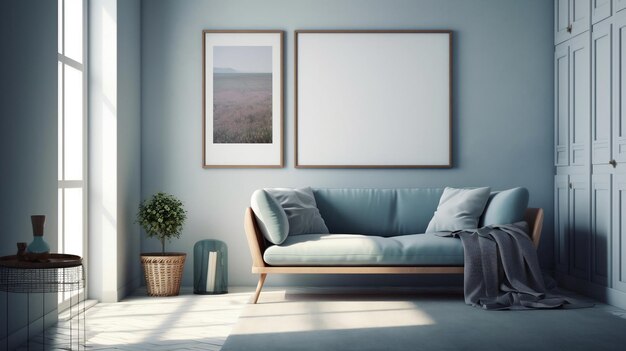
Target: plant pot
[{"x": 163, "y": 272}]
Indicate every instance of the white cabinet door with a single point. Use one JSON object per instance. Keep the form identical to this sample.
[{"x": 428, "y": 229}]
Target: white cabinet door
[
  {"x": 600, "y": 9},
  {"x": 571, "y": 17},
  {"x": 619, "y": 232},
  {"x": 580, "y": 99},
  {"x": 562, "y": 27},
  {"x": 561, "y": 222},
  {"x": 580, "y": 16},
  {"x": 561, "y": 106},
  {"x": 601, "y": 73},
  {"x": 601, "y": 228},
  {"x": 580, "y": 225},
  {"x": 619, "y": 87},
  {"x": 619, "y": 5}
]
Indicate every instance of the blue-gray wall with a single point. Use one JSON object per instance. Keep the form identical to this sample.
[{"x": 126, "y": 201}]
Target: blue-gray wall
[
  {"x": 502, "y": 102},
  {"x": 28, "y": 143}
]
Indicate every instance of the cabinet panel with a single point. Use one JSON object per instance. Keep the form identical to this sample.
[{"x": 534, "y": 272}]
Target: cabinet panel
[
  {"x": 580, "y": 92},
  {"x": 561, "y": 113},
  {"x": 580, "y": 226},
  {"x": 601, "y": 93},
  {"x": 561, "y": 20},
  {"x": 561, "y": 222},
  {"x": 572, "y": 17},
  {"x": 619, "y": 87},
  {"x": 580, "y": 15},
  {"x": 601, "y": 228},
  {"x": 619, "y": 5},
  {"x": 600, "y": 9},
  {"x": 619, "y": 232}
]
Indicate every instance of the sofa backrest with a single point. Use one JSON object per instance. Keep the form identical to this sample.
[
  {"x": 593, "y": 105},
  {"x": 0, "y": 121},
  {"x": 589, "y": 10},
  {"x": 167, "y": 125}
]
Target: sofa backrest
[
  {"x": 390, "y": 212},
  {"x": 383, "y": 212}
]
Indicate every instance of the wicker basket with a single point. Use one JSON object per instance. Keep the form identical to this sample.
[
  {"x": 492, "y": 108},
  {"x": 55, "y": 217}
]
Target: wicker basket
[{"x": 163, "y": 272}]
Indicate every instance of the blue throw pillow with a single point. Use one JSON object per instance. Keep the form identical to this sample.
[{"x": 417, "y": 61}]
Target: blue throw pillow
[
  {"x": 270, "y": 216},
  {"x": 458, "y": 209},
  {"x": 505, "y": 207}
]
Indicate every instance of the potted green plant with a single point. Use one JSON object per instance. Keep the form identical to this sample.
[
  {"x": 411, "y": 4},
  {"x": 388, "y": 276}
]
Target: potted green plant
[{"x": 162, "y": 216}]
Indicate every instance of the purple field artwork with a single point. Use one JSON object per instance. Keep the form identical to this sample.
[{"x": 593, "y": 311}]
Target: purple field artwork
[{"x": 242, "y": 95}]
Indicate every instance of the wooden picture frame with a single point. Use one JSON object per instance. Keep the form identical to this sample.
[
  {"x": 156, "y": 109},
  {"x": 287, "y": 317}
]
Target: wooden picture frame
[
  {"x": 373, "y": 99},
  {"x": 242, "y": 98}
]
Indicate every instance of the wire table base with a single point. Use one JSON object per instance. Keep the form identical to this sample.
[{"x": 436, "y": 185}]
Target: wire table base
[{"x": 58, "y": 273}]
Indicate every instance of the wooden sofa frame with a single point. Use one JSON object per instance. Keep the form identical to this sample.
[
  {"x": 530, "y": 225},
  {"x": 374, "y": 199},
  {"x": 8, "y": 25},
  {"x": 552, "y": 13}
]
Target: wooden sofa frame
[{"x": 257, "y": 244}]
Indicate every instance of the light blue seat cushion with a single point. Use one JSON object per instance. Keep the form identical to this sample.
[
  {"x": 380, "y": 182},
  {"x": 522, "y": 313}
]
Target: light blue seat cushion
[
  {"x": 505, "y": 207},
  {"x": 366, "y": 250}
]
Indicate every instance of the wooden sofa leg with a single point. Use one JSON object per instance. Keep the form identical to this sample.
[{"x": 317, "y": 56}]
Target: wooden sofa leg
[{"x": 259, "y": 286}]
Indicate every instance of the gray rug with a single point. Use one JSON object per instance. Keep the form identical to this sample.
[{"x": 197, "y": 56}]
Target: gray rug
[{"x": 417, "y": 321}]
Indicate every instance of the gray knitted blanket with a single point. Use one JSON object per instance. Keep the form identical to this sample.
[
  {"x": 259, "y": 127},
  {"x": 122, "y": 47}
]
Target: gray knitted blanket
[{"x": 502, "y": 270}]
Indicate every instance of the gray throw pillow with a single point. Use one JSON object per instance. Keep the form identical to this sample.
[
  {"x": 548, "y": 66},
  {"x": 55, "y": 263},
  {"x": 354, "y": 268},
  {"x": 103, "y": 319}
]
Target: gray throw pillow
[
  {"x": 301, "y": 210},
  {"x": 459, "y": 209}
]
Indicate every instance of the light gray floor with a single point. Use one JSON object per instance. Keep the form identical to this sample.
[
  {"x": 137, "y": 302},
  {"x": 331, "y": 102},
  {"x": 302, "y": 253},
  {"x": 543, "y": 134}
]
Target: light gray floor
[
  {"x": 331, "y": 319},
  {"x": 139, "y": 322},
  {"x": 417, "y": 321}
]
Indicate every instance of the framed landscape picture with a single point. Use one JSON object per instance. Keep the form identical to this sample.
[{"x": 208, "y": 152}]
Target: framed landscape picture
[{"x": 242, "y": 104}]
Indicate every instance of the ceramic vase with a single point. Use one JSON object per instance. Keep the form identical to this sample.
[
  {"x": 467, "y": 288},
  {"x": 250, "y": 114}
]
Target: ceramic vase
[{"x": 38, "y": 245}]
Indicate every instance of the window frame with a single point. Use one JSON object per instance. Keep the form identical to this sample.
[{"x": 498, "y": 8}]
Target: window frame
[{"x": 62, "y": 184}]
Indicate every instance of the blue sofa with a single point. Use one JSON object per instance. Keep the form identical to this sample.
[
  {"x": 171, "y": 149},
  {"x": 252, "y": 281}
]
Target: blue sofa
[{"x": 379, "y": 231}]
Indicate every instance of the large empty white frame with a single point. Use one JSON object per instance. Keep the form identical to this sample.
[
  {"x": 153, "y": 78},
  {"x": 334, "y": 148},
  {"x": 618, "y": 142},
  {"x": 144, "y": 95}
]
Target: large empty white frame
[{"x": 373, "y": 99}]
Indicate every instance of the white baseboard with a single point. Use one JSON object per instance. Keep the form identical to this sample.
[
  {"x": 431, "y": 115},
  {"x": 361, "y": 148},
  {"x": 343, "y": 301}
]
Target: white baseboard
[{"x": 129, "y": 288}]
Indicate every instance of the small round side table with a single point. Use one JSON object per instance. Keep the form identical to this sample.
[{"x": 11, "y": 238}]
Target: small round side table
[{"x": 59, "y": 273}]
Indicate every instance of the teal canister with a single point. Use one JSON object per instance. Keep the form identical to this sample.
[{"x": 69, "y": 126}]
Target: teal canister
[{"x": 38, "y": 245}]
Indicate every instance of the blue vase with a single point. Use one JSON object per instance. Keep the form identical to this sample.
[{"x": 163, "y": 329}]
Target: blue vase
[{"x": 38, "y": 245}]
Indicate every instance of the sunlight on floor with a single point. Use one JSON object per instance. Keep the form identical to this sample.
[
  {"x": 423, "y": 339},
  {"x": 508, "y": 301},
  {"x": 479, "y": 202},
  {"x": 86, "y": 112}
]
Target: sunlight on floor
[
  {"x": 178, "y": 322},
  {"x": 298, "y": 316}
]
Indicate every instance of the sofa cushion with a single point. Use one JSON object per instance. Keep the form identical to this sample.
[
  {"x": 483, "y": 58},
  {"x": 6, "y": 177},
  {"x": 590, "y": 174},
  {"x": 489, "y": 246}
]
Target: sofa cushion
[
  {"x": 505, "y": 207},
  {"x": 380, "y": 212},
  {"x": 458, "y": 209},
  {"x": 357, "y": 250},
  {"x": 270, "y": 216},
  {"x": 301, "y": 210}
]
